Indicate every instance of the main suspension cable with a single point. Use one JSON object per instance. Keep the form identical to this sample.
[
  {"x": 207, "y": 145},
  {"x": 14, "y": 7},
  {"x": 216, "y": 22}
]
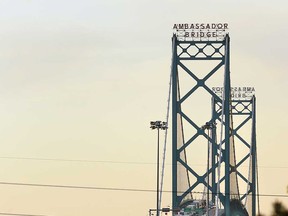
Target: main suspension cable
[
  {"x": 166, "y": 134},
  {"x": 249, "y": 176},
  {"x": 257, "y": 180},
  {"x": 220, "y": 156}
]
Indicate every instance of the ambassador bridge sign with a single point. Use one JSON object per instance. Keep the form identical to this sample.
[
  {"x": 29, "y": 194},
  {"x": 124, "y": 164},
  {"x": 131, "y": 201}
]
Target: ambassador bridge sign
[
  {"x": 200, "y": 31},
  {"x": 236, "y": 92}
]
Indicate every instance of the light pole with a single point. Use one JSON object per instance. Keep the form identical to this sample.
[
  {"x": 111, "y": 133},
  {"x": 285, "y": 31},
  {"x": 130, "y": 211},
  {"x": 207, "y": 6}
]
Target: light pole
[{"x": 163, "y": 126}]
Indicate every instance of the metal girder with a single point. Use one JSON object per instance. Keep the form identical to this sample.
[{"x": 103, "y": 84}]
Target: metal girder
[
  {"x": 220, "y": 52},
  {"x": 181, "y": 54}
]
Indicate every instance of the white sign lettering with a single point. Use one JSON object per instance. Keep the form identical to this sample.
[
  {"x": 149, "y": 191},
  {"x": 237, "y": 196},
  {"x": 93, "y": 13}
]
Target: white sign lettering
[
  {"x": 236, "y": 92},
  {"x": 200, "y": 31}
]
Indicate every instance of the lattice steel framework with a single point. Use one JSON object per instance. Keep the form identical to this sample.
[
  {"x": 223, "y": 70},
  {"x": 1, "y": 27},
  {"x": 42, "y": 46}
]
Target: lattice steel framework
[
  {"x": 247, "y": 109},
  {"x": 221, "y": 52}
]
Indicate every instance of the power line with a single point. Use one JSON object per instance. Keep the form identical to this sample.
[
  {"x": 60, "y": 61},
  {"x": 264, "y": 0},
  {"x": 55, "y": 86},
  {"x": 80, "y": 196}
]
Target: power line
[
  {"x": 2, "y": 213},
  {"x": 115, "y": 189},
  {"x": 76, "y": 187},
  {"x": 75, "y": 160},
  {"x": 112, "y": 162}
]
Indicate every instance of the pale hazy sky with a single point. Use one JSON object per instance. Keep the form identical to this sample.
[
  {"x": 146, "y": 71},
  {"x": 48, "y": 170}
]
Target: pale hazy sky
[{"x": 81, "y": 80}]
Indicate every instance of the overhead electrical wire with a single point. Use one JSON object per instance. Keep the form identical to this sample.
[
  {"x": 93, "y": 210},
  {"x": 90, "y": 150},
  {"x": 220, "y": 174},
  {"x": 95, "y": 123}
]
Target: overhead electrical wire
[
  {"x": 114, "y": 188},
  {"x": 76, "y": 160},
  {"x": 115, "y": 162},
  {"x": 2, "y": 213}
]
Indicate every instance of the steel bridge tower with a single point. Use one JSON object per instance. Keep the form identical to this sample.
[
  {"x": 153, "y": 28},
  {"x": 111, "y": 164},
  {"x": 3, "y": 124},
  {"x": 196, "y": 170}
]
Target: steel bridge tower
[{"x": 185, "y": 55}]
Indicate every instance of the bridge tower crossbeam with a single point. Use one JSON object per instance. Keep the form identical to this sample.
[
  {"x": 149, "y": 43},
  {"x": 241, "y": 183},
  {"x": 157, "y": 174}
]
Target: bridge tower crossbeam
[{"x": 221, "y": 54}]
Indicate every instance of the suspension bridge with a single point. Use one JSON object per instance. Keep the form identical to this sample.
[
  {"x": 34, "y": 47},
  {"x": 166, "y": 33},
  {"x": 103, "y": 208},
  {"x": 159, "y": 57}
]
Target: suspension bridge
[{"x": 217, "y": 129}]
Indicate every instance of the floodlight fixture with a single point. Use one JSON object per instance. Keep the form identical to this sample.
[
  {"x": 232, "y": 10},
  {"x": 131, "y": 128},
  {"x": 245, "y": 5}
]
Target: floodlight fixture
[
  {"x": 208, "y": 125},
  {"x": 158, "y": 125}
]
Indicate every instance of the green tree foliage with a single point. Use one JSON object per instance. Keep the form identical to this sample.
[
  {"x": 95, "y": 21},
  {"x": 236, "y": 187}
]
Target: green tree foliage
[{"x": 279, "y": 209}]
